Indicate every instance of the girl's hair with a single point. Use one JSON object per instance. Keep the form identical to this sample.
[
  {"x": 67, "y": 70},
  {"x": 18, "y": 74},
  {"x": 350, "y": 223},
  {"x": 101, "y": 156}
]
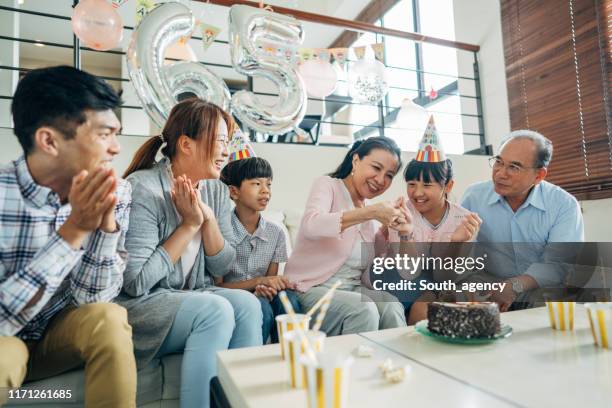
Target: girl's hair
[
  {"x": 363, "y": 148},
  {"x": 440, "y": 172},
  {"x": 191, "y": 117},
  {"x": 234, "y": 173}
]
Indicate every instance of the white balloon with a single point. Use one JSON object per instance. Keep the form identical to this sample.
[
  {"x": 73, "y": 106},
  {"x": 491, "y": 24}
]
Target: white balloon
[
  {"x": 368, "y": 81},
  {"x": 411, "y": 117},
  {"x": 319, "y": 76}
]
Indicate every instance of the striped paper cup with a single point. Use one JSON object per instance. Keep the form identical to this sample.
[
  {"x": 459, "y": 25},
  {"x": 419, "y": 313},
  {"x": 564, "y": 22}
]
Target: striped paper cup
[
  {"x": 600, "y": 319},
  {"x": 327, "y": 380},
  {"x": 284, "y": 323},
  {"x": 561, "y": 315},
  {"x": 296, "y": 349}
]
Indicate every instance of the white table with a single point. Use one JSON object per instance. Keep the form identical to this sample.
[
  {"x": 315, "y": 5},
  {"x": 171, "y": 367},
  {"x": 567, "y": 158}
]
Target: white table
[
  {"x": 257, "y": 377},
  {"x": 535, "y": 367}
]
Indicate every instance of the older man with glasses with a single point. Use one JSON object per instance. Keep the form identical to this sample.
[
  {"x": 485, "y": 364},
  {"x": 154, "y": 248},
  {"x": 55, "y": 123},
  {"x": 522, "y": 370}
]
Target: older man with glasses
[{"x": 519, "y": 206}]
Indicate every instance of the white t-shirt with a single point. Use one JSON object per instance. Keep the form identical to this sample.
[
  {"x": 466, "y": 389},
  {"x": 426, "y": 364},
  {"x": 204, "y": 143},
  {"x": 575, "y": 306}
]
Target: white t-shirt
[
  {"x": 191, "y": 252},
  {"x": 189, "y": 255}
]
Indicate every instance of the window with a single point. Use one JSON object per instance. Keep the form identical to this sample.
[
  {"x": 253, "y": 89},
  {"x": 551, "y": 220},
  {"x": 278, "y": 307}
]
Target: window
[{"x": 416, "y": 69}]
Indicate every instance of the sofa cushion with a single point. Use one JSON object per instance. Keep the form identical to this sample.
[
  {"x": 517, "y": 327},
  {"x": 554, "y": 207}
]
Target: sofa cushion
[
  {"x": 293, "y": 218},
  {"x": 278, "y": 218},
  {"x": 171, "y": 366},
  {"x": 149, "y": 387}
]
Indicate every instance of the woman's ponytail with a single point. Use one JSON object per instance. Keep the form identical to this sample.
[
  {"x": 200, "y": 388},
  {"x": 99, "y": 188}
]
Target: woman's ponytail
[{"x": 145, "y": 156}]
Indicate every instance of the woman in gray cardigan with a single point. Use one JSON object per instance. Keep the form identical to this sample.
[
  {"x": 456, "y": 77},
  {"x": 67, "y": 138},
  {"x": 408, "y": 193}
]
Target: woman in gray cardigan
[{"x": 179, "y": 238}]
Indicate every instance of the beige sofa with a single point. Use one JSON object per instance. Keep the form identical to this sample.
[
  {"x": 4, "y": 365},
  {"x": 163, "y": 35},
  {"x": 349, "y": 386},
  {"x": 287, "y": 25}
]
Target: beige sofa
[
  {"x": 158, "y": 386},
  {"x": 159, "y": 382}
]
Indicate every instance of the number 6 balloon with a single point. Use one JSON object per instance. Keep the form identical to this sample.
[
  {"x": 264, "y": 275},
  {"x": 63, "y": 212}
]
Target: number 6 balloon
[
  {"x": 157, "y": 85},
  {"x": 249, "y": 27}
]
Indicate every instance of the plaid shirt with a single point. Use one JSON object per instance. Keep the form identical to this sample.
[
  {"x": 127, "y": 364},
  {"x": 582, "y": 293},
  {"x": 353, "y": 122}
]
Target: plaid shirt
[
  {"x": 34, "y": 256},
  {"x": 254, "y": 253}
]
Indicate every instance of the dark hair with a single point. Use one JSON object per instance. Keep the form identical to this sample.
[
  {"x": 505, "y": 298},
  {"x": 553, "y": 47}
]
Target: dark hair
[
  {"x": 440, "y": 172},
  {"x": 191, "y": 117},
  {"x": 234, "y": 173},
  {"x": 57, "y": 97},
  {"x": 363, "y": 148}
]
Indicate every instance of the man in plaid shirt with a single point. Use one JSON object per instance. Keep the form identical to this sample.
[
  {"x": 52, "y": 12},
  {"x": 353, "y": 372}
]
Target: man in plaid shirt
[{"x": 63, "y": 219}]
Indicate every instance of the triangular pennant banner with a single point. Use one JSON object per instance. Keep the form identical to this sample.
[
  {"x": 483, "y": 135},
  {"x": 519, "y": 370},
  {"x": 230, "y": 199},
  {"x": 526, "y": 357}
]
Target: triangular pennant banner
[
  {"x": 379, "y": 51},
  {"x": 359, "y": 52},
  {"x": 209, "y": 33},
  {"x": 142, "y": 8},
  {"x": 340, "y": 55},
  {"x": 306, "y": 54}
]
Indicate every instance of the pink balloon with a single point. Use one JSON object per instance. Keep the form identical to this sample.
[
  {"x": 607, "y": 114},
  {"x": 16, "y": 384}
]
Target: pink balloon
[
  {"x": 320, "y": 77},
  {"x": 97, "y": 24}
]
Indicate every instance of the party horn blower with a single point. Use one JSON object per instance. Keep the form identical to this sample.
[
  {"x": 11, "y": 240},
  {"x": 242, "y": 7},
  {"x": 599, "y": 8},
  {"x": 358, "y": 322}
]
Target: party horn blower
[
  {"x": 323, "y": 298},
  {"x": 600, "y": 319},
  {"x": 561, "y": 315}
]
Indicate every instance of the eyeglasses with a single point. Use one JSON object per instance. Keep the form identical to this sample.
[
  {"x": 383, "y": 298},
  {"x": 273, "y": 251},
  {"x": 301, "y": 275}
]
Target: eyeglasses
[
  {"x": 222, "y": 140},
  {"x": 513, "y": 169}
]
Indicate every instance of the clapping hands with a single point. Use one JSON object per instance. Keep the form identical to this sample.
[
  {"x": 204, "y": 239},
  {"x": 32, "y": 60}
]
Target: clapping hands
[
  {"x": 189, "y": 204},
  {"x": 92, "y": 198},
  {"x": 187, "y": 201}
]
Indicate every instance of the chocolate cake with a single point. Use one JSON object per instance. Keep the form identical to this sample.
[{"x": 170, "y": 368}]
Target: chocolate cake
[{"x": 463, "y": 319}]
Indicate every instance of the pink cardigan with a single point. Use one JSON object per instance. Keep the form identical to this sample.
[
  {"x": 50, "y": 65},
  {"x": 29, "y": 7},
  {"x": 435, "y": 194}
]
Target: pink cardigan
[{"x": 320, "y": 247}]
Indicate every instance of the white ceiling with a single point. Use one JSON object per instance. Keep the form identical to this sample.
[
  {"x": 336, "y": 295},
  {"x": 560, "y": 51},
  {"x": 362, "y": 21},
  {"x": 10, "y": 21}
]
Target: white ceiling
[{"x": 59, "y": 31}]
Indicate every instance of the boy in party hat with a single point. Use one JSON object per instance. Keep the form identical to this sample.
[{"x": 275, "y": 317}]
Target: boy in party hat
[
  {"x": 260, "y": 244},
  {"x": 433, "y": 218}
]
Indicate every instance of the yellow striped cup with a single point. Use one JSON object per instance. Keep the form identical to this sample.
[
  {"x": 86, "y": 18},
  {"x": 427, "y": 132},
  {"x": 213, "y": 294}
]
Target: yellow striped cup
[
  {"x": 600, "y": 319},
  {"x": 561, "y": 315},
  {"x": 284, "y": 324},
  {"x": 327, "y": 380},
  {"x": 296, "y": 349}
]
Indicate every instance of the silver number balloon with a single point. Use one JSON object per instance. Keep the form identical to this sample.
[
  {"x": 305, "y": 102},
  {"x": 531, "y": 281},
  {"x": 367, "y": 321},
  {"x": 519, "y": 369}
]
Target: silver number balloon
[
  {"x": 250, "y": 27},
  {"x": 158, "y": 85}
]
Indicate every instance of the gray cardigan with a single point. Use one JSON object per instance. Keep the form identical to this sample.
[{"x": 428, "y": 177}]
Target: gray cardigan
[{"x": 153, "y": 287}]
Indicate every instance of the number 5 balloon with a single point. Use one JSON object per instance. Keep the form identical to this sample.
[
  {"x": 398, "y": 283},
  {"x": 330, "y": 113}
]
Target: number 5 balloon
[
  {"x": 157, "y": 85},
  {"x": 250, "y": 27}
]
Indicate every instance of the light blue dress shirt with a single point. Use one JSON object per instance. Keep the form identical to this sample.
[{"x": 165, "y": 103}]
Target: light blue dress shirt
[{"x": 550, "y": 214}]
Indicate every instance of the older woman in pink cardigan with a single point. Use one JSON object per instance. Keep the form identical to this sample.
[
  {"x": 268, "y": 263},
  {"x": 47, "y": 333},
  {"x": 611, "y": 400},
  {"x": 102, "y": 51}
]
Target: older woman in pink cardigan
[{"x": 336, "y": 221}]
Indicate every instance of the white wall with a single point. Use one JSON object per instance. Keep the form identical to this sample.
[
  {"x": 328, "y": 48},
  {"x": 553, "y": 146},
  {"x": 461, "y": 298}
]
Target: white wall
[
  {"x": 296, "y": 166},
  {"x": 597, "y": 220},
  {"x": 479, "y": 22}
]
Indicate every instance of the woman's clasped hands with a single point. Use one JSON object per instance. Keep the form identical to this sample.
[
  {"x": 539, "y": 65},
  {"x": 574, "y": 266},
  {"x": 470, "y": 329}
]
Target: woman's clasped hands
[{"x": 188, "y": 202}]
